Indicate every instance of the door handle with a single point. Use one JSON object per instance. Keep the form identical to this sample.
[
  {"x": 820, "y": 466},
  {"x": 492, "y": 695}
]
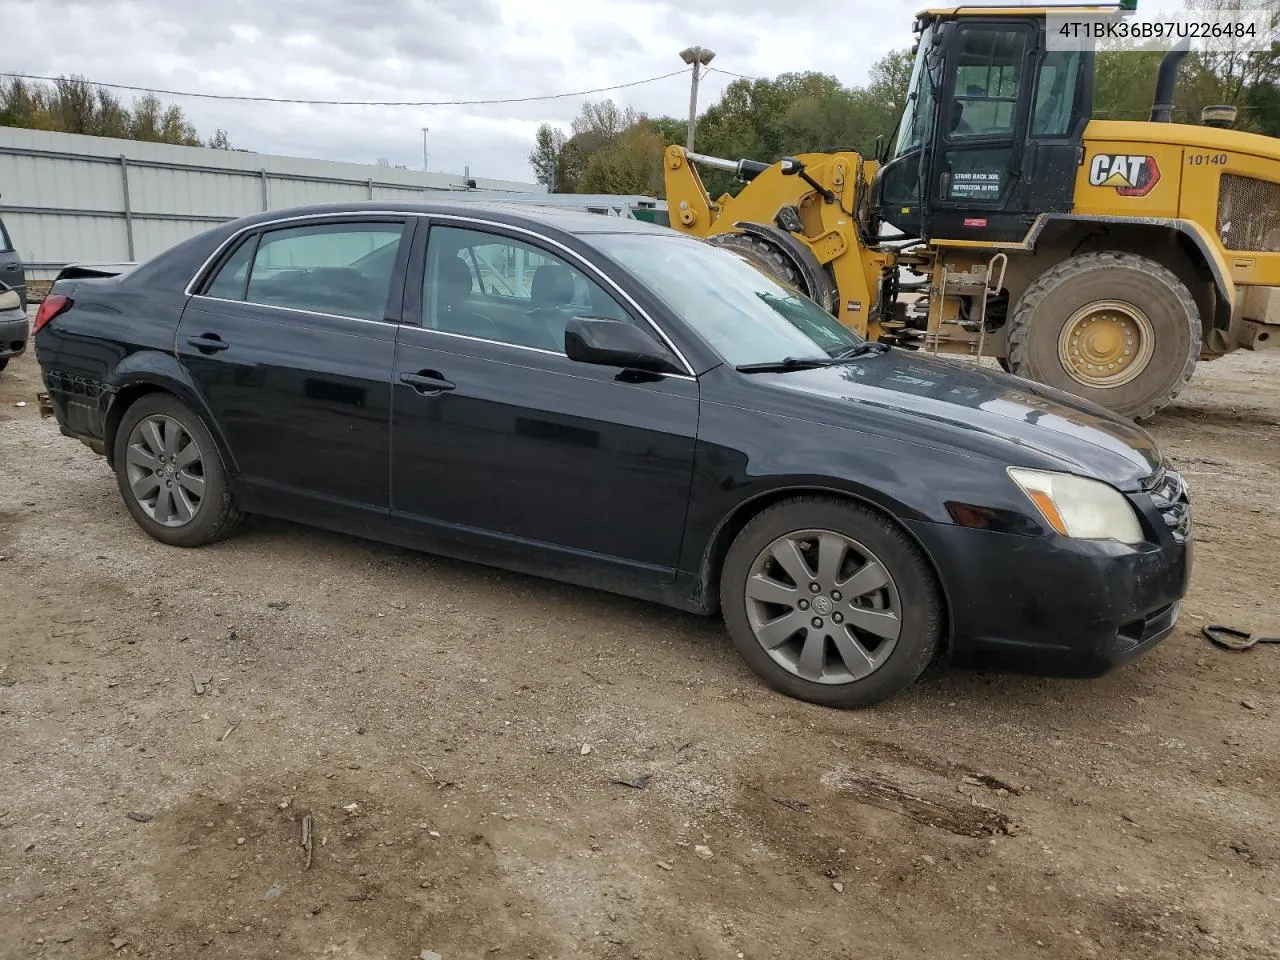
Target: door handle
[
  {"x": 427, "y": 382},
  {"x": 208, "y": 343}
]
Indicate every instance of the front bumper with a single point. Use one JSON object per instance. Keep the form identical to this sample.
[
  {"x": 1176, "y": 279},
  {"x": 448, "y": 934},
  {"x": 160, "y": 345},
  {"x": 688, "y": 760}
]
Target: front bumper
[
  {"x": 1052, "y": 605},
  {"x": 15, "y": 331}
]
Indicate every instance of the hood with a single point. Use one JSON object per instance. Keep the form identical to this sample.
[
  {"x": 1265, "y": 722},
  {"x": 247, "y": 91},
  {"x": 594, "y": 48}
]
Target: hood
[
  {"x": 1195, "y": 136},
  {"x": 991, "y": 413}
]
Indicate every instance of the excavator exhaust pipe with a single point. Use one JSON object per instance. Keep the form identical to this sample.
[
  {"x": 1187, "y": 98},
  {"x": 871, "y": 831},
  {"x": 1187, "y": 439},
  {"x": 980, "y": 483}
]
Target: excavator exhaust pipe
[{"x": 1167, "y": 82}]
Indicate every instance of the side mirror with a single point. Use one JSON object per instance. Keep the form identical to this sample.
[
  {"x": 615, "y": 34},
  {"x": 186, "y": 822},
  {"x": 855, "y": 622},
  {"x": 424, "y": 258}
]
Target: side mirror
[
  {"x": 616, "y": 343},
  {"x": 879, "y": 154}
]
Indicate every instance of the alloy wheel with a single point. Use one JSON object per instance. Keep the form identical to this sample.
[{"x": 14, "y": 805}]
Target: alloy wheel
[
  {"x": 823, "y": 606},
  {"x": 166, "y": 470}
]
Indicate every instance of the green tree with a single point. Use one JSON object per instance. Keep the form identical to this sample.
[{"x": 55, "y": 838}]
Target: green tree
[
  {"x": 219, "y": 141},
  {"x": 113, "y": 116},
  {"x": 24, "y": 104},
  {"x": 631, "y": 163},
  {"x": 670, "y": 129},
  {"x": 1125, "y": 80},
  {"x": 548, "y": 147},
  {"x": 73, "y": 105},
  {"x": 1263, "y": 104}
]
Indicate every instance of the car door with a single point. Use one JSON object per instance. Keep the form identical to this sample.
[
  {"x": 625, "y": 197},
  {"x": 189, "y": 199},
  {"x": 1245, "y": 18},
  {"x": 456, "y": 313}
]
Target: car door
[
  {"x": 12, "y": 274},
  {"x": 291, "y": 340},
  {"x": 497, "y": 435}
]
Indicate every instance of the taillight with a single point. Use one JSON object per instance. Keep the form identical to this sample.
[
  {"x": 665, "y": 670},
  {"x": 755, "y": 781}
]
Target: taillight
[{"x": 50, "y": 307}]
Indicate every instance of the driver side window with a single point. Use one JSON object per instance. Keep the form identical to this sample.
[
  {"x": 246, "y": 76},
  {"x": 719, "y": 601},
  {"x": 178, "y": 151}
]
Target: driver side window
[{"x": 498, "y": 288}]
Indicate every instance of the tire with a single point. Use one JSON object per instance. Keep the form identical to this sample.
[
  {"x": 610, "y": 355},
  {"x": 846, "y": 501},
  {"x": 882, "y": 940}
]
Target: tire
[
  {"x": 1121, "y": 285},
  {"x": 895, "y": 629},
  {"x": 775, "y": 263},
  {"x": 212, "y": 515}
]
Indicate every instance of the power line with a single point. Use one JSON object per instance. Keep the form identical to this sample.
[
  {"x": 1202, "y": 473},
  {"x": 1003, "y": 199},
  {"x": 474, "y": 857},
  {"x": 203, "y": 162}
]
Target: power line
[
  {"x": 350, "y": 103},
  {"x": 740, "y": 76}
]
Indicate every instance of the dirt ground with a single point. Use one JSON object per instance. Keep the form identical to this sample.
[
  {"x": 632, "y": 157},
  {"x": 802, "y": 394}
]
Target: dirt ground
[{"x": 433, "y": 720}]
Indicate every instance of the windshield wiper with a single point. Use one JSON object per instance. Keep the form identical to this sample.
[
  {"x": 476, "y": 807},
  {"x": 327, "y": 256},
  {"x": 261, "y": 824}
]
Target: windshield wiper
[
  {"x": 788, "y": 363},
  {"x": 866, "y": 348}
]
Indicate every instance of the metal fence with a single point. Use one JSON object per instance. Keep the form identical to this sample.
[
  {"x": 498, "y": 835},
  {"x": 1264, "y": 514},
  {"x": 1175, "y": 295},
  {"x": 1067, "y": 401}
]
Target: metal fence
[{"x": 67, "y": 198}]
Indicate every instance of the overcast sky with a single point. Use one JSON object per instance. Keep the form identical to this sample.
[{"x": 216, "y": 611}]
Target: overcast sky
[{"x": 437, "y": 50}]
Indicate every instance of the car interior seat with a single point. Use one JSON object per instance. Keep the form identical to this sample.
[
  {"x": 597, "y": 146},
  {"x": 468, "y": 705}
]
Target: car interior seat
[
  {"x": 453, "y": 310},
  {"x": 551, "y": 294}
]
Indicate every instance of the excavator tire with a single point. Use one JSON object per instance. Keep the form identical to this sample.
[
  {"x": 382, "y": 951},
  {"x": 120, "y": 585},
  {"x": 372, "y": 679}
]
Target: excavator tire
[
  {"x": 776, "y": 263},
  {"x": 1114, "y": 328}
]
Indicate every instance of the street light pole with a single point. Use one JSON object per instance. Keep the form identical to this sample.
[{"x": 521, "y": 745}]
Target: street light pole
[
  {"x": 698, "y": 57},
  {"x": 424, "y": 149}
]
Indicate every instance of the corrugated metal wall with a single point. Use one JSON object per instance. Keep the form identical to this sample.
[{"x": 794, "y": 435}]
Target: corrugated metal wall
[{"x": 68, "y": 198}]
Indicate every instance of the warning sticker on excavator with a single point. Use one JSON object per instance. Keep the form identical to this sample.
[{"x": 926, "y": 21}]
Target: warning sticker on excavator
[
  {"x": 1131, "y": 175},
  {"x": 975, "y": 184}
]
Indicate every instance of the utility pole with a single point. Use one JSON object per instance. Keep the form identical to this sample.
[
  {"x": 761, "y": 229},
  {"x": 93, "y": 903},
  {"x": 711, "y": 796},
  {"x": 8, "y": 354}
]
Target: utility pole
[
  {"x": 697, "y": 57},
  {"x": 424, "y": 149}
]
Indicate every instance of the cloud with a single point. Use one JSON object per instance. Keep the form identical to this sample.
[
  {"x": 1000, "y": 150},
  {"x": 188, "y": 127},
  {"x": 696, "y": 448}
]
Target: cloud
[{"x": 435, "y": 50}]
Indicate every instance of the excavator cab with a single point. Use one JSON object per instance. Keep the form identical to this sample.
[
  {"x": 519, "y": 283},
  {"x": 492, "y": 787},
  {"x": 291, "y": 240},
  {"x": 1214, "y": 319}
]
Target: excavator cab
[{"x": 992, "y": 132}]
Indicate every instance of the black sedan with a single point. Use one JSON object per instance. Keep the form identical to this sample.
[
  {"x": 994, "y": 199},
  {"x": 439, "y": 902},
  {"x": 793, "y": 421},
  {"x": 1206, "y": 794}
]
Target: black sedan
[{"x": 613, "y": 404}]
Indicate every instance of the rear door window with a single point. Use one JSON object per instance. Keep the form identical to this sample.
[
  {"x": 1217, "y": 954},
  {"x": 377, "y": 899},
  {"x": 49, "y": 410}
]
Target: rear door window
[
  {"x": 340, "y": 269},
  {"x": 233, "y": 275}
]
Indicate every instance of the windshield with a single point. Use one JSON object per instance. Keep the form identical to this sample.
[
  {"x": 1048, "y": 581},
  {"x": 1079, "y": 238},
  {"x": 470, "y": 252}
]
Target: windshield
[
  {"x": 919, "y": 100},
  {"x": 744, "y": 314}
]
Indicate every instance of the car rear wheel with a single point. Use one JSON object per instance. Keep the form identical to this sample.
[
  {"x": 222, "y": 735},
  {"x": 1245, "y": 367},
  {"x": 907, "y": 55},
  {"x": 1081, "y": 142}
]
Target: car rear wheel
[
  {"x": 170, "y": 474},
  {"x": 830, "y": 602}
]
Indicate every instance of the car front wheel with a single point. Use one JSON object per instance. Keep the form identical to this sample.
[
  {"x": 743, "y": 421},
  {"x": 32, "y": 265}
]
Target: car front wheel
[
  {"x": 171, "y": 475},
  {"x": 830, "y": 602}
]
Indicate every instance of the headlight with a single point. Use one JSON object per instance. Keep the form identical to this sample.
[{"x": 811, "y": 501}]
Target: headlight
[{"x": 1080, "y": 508}]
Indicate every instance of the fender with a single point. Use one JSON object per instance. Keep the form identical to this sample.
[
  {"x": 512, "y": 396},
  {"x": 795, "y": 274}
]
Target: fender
[
  {"x": 1203, "y": 240},
  {"x": 155, "y": 368},
  {"x": 821, "y": 287},
  {"x": 780, "y": 488}
]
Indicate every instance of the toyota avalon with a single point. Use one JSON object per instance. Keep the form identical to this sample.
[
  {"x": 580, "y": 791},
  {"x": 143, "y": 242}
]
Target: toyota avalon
[{"x": 613, "y": 404}]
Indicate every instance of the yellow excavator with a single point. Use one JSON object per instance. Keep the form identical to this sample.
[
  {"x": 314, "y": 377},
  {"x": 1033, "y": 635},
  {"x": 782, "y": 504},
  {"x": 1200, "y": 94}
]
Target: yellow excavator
[{"x": 1104, "y": 258}]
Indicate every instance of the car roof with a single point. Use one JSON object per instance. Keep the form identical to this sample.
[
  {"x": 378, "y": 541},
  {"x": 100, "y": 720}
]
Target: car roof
[{"x": 528, "y": 215}]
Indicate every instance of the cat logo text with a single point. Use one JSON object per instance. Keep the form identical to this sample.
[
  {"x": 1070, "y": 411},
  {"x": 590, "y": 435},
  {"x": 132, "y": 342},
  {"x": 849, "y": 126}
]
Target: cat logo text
[{"x": 1132, "y": 176}]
